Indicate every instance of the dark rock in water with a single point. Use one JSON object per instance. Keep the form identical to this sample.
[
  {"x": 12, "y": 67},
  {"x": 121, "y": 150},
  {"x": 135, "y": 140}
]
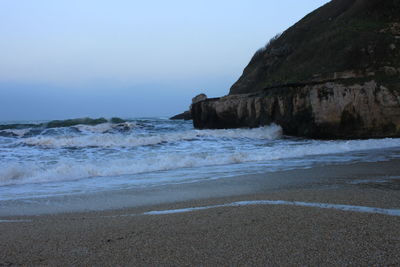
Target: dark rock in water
[
  {"x": 334, "y": 74},
  {"x": 36, "y": 129},
  {"x": 187, "y": 115},
  {"x": 73, "y": 122},
  {"x": 16, "y": 126},
  {"x": 117, "y": 120}
]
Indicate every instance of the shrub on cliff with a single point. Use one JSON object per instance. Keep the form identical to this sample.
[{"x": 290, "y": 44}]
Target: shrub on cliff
[{"x": 266, "y": 47}]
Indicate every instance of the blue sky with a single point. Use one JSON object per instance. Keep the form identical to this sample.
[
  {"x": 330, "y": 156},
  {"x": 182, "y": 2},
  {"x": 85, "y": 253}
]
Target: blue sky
[{"x": 64, "y": 59}]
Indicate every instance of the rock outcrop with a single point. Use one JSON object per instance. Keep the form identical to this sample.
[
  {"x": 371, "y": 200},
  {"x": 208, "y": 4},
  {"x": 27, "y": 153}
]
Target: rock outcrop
[
  {"x": 326, "y": 110},
  {"x": 334, "y": 74},
  {"x": 187, "y": 115}
]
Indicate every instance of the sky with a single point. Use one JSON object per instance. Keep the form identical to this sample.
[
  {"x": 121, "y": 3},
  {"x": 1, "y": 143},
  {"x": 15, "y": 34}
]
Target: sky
[{"x": 72, "y": 58}]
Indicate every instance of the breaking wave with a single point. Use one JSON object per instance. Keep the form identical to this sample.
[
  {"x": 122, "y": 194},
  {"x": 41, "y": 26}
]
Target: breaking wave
[
  {"x": 72, "y": 169},
  {"x": 112, "y": 140},
  {"x": 61, "y": 123}
]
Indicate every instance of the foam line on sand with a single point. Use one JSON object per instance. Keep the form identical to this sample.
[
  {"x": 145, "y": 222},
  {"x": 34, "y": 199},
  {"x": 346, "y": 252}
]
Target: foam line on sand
[{"x": 362, "y": 209}]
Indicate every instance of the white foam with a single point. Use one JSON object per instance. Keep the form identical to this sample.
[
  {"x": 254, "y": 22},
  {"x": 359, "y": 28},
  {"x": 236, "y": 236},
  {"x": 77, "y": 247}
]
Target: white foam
[
  {"x": 121, "y": 140},
  {"x": 18, "y": 132},
  {"x": 68, "y": 169},
  {"x": 99, "y": 128},
  {"x": 150, "y": 161},
  {"x": 351, "y": 208},
  {"x": 103, "y": 127}
]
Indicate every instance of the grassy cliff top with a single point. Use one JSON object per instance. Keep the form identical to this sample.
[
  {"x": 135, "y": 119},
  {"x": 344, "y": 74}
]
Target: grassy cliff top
[{"x": 340, "y": 39}]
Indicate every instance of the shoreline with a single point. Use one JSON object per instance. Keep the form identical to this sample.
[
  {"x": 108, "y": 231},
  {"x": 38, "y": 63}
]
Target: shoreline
[
  {"x": 256, "y": 235},
  {"x": 378, "y": 174}
]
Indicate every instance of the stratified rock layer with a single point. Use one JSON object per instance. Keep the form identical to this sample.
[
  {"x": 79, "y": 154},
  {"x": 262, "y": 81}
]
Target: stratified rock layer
[{"x": 325, "y": 110}]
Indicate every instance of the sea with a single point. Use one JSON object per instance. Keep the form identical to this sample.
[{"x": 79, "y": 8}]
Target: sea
[{"x": 41, "y": 159}]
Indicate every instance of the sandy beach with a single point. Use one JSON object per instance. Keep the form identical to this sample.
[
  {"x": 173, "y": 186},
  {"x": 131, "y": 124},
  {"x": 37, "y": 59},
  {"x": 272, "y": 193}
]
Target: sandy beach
[
  {"x": 248, "y": 235},
  {"x": 147, "y": 133}
]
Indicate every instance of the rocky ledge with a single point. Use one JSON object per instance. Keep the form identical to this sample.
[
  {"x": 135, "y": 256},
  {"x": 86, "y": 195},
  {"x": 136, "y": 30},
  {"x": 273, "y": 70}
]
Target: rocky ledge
[
  {"x": 187, "y": 115},
  {"x": 325, "y": 110}
]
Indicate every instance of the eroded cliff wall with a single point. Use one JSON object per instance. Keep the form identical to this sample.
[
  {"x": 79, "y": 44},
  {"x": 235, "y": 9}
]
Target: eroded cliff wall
[{"x": 327, "y": 110}]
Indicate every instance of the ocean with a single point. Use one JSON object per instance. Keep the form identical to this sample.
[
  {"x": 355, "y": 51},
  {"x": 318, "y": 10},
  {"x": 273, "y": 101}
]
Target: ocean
[{"x": 39, "y": 160}]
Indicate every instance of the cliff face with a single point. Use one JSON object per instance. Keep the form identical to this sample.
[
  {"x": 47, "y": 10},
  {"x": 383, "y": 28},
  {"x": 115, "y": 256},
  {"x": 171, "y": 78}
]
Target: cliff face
[
  {"x": 327, "y": 110},
  {"x": 334, "y": 74}
]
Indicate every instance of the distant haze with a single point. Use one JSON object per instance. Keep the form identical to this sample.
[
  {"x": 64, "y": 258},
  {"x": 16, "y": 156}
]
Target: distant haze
[{"x": 64, "y": 59}]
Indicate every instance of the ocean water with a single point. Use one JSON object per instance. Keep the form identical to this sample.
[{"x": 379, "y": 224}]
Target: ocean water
[{"x": 41, "y": 162}]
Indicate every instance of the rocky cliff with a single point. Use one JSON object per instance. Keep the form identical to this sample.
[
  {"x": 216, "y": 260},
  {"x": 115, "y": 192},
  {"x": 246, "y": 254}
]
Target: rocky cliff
[{"x": 334, "y": 74}]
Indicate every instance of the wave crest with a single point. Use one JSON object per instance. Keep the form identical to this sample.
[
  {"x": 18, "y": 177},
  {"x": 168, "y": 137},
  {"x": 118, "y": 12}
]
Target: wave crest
[
  {"x": 69, "y": 169},
  {"x": 108, "y": 140}
]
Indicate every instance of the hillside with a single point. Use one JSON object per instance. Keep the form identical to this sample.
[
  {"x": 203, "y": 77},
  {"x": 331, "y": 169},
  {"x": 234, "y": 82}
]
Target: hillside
[
  {"x": 346, "y": 37},
  {"x": 334, "y": 74}
]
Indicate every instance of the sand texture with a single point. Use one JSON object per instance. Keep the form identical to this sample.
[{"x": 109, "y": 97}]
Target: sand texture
[{"x": 256, "y": 235}]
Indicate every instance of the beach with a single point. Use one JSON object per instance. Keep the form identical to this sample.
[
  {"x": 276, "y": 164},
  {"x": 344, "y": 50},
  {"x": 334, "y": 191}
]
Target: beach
[
  {"x": 293, "y": 160},
  {"x": 237, "y": 235}
]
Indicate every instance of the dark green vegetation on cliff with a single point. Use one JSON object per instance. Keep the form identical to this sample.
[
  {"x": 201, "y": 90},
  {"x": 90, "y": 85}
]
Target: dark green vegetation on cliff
[
  {"x": 334, "y": 74},
  {"x": 342, "y": 36}
]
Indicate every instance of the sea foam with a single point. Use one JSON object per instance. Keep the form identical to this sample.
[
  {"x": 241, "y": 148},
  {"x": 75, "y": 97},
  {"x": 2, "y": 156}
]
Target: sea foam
[
  {"x": 341, "y": 207},
  {"x": 109, "y": 140},
  {"x": 146, "y": 161}
]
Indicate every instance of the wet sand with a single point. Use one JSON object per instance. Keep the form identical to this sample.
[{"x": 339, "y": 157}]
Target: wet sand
[{"x": 253, "y": 235}]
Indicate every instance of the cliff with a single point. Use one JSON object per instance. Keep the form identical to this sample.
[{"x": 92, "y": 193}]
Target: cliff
[
  {"x": 346, "y": 37},
  {"x": 334, "y": 74}
]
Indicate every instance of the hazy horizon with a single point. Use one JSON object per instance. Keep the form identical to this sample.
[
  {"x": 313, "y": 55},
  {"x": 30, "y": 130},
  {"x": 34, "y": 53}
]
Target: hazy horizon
[{"x": 68, "y": 59}]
